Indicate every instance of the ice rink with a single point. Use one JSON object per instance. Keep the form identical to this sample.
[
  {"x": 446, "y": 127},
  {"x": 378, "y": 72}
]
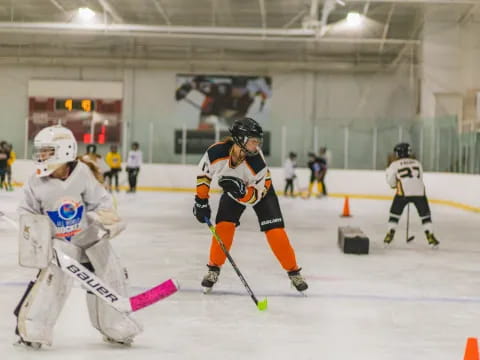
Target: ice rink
[{"x": 402, "y": 302}]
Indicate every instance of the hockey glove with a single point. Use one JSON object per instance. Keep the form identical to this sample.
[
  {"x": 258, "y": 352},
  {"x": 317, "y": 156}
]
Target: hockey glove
[
  {"x": 233, "y": 185},
  {"x": 201, "y": 209}
]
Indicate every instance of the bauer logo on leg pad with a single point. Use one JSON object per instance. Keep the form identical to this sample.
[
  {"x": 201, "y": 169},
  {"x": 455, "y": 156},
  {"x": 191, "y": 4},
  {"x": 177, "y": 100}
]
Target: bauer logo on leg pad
[{"x": 92, "y": 284}]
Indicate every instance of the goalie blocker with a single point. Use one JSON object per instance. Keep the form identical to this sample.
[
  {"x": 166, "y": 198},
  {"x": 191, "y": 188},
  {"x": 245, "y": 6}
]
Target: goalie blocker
[{"x": 34, "y": 241}]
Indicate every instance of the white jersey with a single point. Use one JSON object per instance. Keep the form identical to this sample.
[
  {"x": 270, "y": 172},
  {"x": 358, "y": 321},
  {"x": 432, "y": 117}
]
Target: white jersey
[
  {"x": 252, "y": 170},
  {"x": 66, "y": 203},
  {"x": 135, "y": 159},
  {"x": 406, "y": 175},
  {"x": 289, "y": 168}
]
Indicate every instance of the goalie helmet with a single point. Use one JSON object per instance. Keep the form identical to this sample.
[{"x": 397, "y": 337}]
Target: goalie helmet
[
  {"x": 244, "y": 129},
  {"x": 53, "y": 147},
  {"x": 403, "y": 150}
]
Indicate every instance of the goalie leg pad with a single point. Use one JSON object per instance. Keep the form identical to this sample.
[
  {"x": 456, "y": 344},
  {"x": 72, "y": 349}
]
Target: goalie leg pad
[
  {"x": 106, "y": 319},
  {"x": 34, "y": 241},
  {"x": 40, "y": 307}
]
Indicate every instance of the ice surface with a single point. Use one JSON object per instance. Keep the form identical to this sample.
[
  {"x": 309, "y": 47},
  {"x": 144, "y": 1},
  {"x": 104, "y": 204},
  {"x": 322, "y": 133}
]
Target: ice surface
[{"x": 402, "y": 302}]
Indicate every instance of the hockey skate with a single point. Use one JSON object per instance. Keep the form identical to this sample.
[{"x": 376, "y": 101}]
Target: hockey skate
[
  {"x": 298, "y": 281},
  {"x": 432, "y": 240},
  {"x": 28, "y": 344},
  {"x": 389, "y": 237},
  {"x": 126, "y": 342},
  {"x": 210, "y": 278}
]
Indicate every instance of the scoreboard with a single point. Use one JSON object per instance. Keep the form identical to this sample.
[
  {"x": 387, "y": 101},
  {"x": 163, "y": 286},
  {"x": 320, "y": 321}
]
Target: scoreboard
[
  {"x": 86, "y": 105},
  {"x": 85, "y": 117}
]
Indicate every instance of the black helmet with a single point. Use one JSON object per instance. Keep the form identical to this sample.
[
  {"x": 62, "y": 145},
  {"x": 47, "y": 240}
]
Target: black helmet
[
  {"x": 242, "y": 130},
  {"x": 91, "y": 149},
  {"x": 403, "y": 150}
]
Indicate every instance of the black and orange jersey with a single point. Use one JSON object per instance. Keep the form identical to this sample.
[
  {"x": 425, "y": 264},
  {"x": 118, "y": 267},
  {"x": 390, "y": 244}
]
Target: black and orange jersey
[{"x": 252, "y": 170}]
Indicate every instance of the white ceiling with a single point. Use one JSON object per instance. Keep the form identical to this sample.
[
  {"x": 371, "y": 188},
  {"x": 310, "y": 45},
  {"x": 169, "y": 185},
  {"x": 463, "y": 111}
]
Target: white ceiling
[{"x": 293, "y": 34}]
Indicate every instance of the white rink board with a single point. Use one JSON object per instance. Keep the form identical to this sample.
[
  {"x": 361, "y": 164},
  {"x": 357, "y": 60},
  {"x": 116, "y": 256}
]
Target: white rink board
[{"x": 460, "y": 188}]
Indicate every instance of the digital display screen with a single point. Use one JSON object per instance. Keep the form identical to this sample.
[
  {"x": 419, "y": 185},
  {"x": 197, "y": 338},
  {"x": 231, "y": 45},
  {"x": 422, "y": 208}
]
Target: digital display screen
[{"x": 86, "y": 105}]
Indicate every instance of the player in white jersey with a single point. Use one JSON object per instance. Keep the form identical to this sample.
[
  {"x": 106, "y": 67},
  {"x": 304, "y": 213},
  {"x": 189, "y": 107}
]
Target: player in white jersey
[
  {"x": 406, "y": 175},
  {"x": 245, "y": 178},
  {"x": 289, "y": 167},
  {"x": 80, "y": 220},
  {"x": 134, "y": 161}
]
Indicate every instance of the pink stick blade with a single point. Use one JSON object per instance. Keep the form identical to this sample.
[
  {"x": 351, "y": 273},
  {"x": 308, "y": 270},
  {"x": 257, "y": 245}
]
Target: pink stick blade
[{"x": 153, "y": 295}]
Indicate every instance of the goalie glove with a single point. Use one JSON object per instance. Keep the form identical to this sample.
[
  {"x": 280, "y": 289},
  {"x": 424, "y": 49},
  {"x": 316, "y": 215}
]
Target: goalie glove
[
  {"x": 233, "y": 185},
  {"x": 108, "y": 220}
]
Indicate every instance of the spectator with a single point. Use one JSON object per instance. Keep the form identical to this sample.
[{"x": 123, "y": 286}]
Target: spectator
[
  {"x": 134, "y": 161},
  {"x": 4, "y": 156},
  {"x": 314, "y": 167},
  {"x": 289, "y": 168},
  {"x": 114, "y": 161},
  {"x": 11, "y": 159},
  {"x": 323, "y": 160}
]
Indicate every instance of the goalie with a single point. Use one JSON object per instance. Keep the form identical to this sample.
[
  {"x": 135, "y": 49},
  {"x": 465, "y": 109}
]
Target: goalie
[{"x": 65, "y": 207}]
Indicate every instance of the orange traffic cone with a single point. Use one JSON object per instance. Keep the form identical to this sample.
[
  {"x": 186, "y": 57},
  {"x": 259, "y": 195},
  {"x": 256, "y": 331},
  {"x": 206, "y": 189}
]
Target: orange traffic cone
[
  {"x": 471, "y": 350},
  {"x": 346, "y": 208}
]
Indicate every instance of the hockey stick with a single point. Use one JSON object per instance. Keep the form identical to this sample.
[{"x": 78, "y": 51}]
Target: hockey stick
[
  {"x": 408, "y": 238},
  {"x": 7, "y": 219},
  {"x": 92, "y": 283},
  {"x": 261, "y": 305}
]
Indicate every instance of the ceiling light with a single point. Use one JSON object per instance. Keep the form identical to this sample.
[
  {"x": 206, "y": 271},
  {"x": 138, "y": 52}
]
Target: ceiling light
[
  {"x": 354, "y": 19},
  {"x": 86, "y": 14}
]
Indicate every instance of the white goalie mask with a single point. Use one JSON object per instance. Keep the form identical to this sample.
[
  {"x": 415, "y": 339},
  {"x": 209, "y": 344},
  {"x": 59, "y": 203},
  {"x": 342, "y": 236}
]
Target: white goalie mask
[{"x": 53, "y": 147}]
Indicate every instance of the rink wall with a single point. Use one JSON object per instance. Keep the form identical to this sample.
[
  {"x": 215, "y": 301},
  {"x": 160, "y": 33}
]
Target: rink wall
[{"x": 458, "y": 190}]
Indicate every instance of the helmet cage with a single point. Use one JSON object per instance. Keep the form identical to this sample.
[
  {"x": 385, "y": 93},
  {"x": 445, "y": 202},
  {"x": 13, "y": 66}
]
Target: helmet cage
[
  {"x": 46, "y": 158},
  {"x": 241, "y": 140}
]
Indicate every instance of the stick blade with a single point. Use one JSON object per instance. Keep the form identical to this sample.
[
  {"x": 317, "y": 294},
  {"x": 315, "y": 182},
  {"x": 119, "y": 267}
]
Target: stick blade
[
  {"x": 410, "y": 239},
  {"x": 262, "y": 305},
  {"x": 154, "y": 295}
]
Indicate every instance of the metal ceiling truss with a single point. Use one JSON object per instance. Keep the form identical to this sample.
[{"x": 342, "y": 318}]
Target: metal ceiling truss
[
  {"x": 195, "y": 32},
  {"x": 110, "y": 10},
  {"x": 162, "y": 11},
  {"x": 227, "y": 66},
  {"x": 58, "y": 6}
]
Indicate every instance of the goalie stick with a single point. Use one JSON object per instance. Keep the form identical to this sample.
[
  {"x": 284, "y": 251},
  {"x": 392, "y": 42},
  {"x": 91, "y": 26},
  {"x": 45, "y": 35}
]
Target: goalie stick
[
  {"x": 7, "y": 219},
  {"x": 91, "y": 282}
]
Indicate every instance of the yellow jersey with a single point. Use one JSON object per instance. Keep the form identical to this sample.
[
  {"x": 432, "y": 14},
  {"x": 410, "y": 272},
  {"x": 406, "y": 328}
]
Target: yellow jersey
[
  {"x": 114, "y": 160},
  {"x": 12, "y": 158}
]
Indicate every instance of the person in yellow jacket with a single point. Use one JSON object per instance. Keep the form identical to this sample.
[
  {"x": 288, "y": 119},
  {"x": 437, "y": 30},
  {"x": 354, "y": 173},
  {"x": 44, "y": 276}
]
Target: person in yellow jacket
[
  {"x": 114, "y": 161},
  {"x": 11, "y": 159}
]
